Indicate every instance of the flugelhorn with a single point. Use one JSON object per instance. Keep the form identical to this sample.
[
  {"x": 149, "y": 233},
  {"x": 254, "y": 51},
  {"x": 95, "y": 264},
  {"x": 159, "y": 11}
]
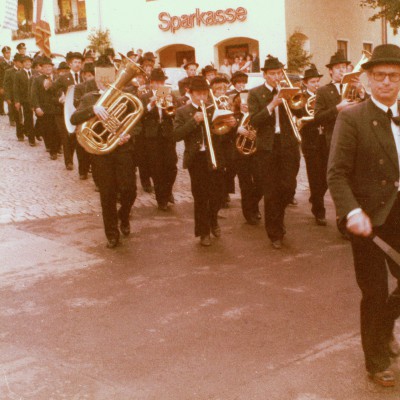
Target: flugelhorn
[
  {"x": 246, "y": 143},
  {"x": 162, "y": 102}
]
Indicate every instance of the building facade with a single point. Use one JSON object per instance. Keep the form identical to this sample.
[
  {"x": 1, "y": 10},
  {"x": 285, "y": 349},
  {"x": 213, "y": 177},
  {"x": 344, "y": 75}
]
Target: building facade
[{"x": 206, "y": 31}]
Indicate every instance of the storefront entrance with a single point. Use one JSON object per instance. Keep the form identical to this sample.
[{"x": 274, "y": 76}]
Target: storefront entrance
[
  {"x": 176, "y": 55},
  {"x": 235, "y": 47}
]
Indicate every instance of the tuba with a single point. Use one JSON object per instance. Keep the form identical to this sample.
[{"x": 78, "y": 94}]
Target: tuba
[{"x": 124, "y": 109}]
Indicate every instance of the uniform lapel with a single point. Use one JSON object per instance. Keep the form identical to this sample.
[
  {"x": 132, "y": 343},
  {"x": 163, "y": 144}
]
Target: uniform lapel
[{"x": 381, "y": 127}]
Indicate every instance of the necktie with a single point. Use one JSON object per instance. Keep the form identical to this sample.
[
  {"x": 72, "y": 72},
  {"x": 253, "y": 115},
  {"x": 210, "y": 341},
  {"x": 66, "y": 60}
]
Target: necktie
[
  {"x": 76, "y": 78},
  {"x": 29, "y": 74},
  {"x": 396, "y": 120},
  {"x": 274, "y": 92},
  {"x": 341, "y": 88}
]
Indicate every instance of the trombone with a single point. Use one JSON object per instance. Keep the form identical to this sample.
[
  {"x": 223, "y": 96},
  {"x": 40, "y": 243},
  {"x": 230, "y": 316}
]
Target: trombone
[
  {"x": 295, "y": 104},
  {"x": 208, "y": 135}
]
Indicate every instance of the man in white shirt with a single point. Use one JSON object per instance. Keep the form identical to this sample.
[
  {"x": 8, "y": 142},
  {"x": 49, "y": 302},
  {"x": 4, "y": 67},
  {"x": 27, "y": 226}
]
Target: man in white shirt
[{"x": 363, "y": 178}]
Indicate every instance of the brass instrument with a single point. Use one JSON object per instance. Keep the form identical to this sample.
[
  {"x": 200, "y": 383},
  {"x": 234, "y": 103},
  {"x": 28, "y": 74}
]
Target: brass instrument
[
  {"x": 219, "y": 126},
  {"x": 124, "y": 109},
  {"x": 208, "y": 135},
  {"x": 349, "y": 92},
  {"x": 292, "y": 118},
  {"x": 163, "y": 103},
  {"x": 297, "y": 101},
  {"x": 244, "y": 144},
  {"x": 309, "y": 107}
]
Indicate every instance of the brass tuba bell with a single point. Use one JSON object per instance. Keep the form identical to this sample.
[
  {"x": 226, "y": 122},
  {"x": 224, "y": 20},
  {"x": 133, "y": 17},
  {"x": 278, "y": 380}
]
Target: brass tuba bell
[{"x": 124, "y": 109}]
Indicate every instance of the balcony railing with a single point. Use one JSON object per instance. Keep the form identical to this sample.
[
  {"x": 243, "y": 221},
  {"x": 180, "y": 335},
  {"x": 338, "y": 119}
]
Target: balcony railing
[
  {"x": 70, "y": 23},
  {"x": 24, "y": 31}
]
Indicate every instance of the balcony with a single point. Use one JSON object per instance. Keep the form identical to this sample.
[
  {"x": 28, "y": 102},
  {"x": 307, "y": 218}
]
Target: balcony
[{"x": 70, "y": 23}]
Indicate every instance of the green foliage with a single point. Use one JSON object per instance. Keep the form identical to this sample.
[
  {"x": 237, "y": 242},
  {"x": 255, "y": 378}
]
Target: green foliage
[
  {"x": 99, "y": 40},
  {"x": 298, "y": 58},
  {"x": 390, "y": 9}
]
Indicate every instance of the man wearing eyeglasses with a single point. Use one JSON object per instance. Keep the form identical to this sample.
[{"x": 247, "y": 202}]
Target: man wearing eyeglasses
[{"x": 363, "y": 177}]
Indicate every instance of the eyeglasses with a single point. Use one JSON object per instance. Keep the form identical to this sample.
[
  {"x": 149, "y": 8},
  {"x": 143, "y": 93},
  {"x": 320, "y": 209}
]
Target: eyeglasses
[{"x": 381, "y": 76}]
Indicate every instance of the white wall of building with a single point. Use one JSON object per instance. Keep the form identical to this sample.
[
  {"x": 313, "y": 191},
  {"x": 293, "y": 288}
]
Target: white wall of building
[{"x": 135, "y": 24}]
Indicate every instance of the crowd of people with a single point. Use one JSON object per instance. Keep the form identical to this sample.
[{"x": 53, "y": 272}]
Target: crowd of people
[{"x": 343, "y": 133}]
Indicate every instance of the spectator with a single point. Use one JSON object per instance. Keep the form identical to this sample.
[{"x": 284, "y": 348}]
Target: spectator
[
  {"x": 235, "y": 65},
  {"x": 226, "y": 68},
  {"x": 246, "y": 67}
]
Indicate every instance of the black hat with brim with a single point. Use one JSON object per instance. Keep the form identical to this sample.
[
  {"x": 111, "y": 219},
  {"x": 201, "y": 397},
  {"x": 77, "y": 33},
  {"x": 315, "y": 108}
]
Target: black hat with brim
[
  {"x": 383, "y": 54},
  {"x": 44, "y": 61},
  {"x": 158, "y": 75},
  {"x": 239, "y": 76},
  {"x": 74, "y": 54},
  {"x": 186, "y": 66},
  {"x": 63, "y": 65},
  {"x": 312, "y": 72},
  {"x": 219, "y": 79},
  {"x": 272, "y": 63},
  {"x": 207, "y": 69},
  {"x": 338, "y": 58},
  {"x": 198, "y": 83}
]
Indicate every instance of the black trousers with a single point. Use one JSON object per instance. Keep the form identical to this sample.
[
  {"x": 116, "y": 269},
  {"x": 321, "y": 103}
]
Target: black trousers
[
  {"x": 379, "y": 309},
  {"x": 142, "y": 160},
  {"x": 163, "y": 166},
  {"x": 250, "y": 185},
  {"x": 84, "y": 159},
  {"x": 1, "y": 103},
  {"x": 114, "y": 173},
  {"x": 49, "y": 130},
  {"x": 68, "y": 141},
  {"x": 16, "y": 116},
  {"x": 316, "y": 158},
  {"x": 278, "y": 170},
  {"x": 28, "y": 121},
  {"x": 207, "y": 190}
]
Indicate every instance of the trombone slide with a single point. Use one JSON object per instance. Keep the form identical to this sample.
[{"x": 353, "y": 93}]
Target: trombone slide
[{"x": 208, "y": 136}]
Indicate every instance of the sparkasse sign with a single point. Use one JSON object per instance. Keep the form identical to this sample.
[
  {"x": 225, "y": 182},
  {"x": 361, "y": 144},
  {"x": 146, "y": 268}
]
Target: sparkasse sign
[{"x": 198, "y": 18}]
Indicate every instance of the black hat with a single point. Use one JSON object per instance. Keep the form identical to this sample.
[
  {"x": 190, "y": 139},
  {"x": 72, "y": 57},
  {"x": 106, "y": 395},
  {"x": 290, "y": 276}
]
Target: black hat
[
  {"x": 207, "y": 69},
  {"x": 88, "y": 67},
  {"x": 198, "y": 83},
  {"x": 149, "y": 56},
  {"x": 5, "y": 48},
  {"x": 44, "y": 60},
  {"x": 383, "y": 54},
  {"x": 63, "y": 65},
  {"x": 186, "y": 66},
  {"x": 103, "y": 61},
  {"x": 272, "y": 63},
  {"x": 73, "y": 54},
  {"x": 131, "y": 53},
  {"x": 21, "y": 46},
  {"x": 158, "y": 75},
  {"x": 312, "y": 72},
  {"x": 239, "y": 76},
  {"x": 185, "y": 82},
  {"x": 18, "y": 57},
  {"x": 338, "y": 58},
  {"x": 219, "y": 79}
]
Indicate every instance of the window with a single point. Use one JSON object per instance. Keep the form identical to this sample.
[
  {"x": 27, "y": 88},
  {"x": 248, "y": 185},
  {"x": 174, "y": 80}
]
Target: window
[
  {"x": 25, "y": 17},
  {"x": 70, "y": 15},
  {"x": 367, "y": 47},
  {"x": 342, "y": 46}
]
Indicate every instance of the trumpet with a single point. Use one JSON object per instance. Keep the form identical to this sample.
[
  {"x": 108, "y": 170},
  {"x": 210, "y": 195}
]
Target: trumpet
[
  {"x": 208, "y": 135},
  {"x": 164, "y": 103}
]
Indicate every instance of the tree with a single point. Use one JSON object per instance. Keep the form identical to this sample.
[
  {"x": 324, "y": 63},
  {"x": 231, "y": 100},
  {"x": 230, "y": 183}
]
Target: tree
[
  {"x": 99, "y": 40},
  {"x": 298, "y": 58},
  {"x": 389, "y": 9}
]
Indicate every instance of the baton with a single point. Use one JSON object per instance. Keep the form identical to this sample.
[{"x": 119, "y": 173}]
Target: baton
[{"x": 387, "y": 249}]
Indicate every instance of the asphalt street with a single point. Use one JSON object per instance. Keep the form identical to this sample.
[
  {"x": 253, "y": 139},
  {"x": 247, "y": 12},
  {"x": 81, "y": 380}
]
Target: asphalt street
[{"x": 160, "y": 317}]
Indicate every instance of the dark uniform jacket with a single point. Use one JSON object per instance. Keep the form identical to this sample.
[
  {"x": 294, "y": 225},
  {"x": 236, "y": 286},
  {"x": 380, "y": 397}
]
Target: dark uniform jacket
[
  {"x": 150, "y": 120},
  {"x": 9, "y": 77},
  {"x": 187, "y": 129},
  {"x": 264, "y": 122},
  {"x": 326, "y": 112},
  {"x": 83, "y": 88},
  {"x": 21, "y": 87},
  {"x": 44, "y": 99},
  {"x": 311, "y": 130},
  {"x": 4, "y": 65},
  {"x": 363, "y": 168}
]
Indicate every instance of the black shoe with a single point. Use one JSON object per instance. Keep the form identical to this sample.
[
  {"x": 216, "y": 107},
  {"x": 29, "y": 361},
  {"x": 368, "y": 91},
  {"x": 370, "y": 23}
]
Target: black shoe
[
  {"x": 216, "y": 230},
  {"x": 83, "y": 177},
  {"x": 252, "y": 220},
  {"x": 21, "y": 139},
  {"x": 277, "y": 244},
  {"x": 111, "y": 243},
  {"x": 321, "y": 221},
  {"x": 205, "y": 240},
  {"x": 32, "y": 143},
  {"x": 39, "y": 138},
  {"x": 125, "y": 228},
  {"x": 171, "y": 199},
  {"x": 53, "y": 156},
  {"x": 69, "y": 166},
  {"x": 163, "y": 206}
]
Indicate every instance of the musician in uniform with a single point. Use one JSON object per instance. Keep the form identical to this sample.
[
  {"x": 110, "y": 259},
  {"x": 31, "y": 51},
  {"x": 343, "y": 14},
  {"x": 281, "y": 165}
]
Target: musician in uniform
[
  {"x": 191, "y": 70},
  {"x": 314, "y": 149},
  {"x": 9, "y": 78},
  {"x": 5, "y": 64},
  {"x": 157, "y": 126},
  {"x": 22, "y": 98},
  {"x": 209, "y": 73},
  {"x": 278, "y": 154},
  {"x": 185, "y": 99},
  {"x": 206, "y": 180},
  {"x": 239, "y": 81},
  {"x": 363, "y": 178},
  {"x": 113, "y": 172}
]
